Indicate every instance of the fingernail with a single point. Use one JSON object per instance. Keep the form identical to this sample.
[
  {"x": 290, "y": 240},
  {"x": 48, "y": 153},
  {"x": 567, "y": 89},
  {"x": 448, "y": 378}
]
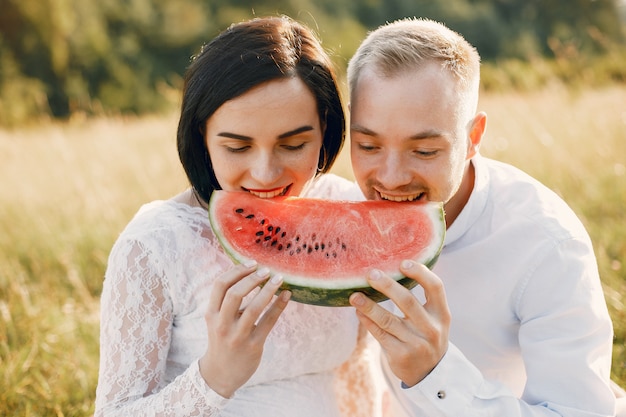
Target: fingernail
[
  {"x": 375, "y": 274},
  {"x": 263, "y": 272},
  {"x": 249, "y": 263},
  {"x": 285, "y": 295},
  {"x": 357, "y": 299},
  {"x": 407, "y": 264},
  {"x": 276, "y": 279}
]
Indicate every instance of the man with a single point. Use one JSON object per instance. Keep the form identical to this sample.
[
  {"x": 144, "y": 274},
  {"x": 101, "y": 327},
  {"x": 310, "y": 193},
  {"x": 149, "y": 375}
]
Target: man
[{"x": 512, "y": 320}]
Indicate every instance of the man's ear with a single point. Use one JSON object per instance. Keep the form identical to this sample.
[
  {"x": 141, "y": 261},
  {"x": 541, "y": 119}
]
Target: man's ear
[{"x": 476, "y": 132}]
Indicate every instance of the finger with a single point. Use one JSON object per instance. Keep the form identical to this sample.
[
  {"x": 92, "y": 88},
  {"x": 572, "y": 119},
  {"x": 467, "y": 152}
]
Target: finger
[
  {"x": 402, "y": 297},
  {"x": 381, "y": 323},
  {"x": 225, "y": 281},
  {"x": 232, "y": 304},
  {"x": 257, "y": 304},
  {"x": 384, "y": 338},
  {"x": 434, "y": 290},
  {"x": 271, "y": 315}
]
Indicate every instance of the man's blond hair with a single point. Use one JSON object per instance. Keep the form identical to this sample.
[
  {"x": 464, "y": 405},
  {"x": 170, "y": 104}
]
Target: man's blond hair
[{"x": 407, "y": 44}]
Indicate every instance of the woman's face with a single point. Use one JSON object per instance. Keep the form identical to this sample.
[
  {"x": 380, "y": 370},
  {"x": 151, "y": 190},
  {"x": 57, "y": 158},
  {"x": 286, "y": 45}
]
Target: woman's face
[{"x": 267, "y": 141}]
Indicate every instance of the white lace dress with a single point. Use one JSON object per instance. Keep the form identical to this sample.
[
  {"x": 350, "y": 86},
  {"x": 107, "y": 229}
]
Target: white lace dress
[{"x": 155, "y": 294}]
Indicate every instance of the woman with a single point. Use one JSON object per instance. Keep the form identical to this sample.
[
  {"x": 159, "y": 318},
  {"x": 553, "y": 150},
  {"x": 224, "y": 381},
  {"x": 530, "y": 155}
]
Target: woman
[{"x": 183, "y": 331}]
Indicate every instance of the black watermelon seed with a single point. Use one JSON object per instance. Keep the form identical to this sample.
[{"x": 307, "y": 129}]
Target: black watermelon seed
[
  {"x": 317, "y": 246},
  {"x": 343, "y": 246},
  {"x": 288, "y": 245},
  {"x": 283, "y": 234},
  {"x": 239, "y": 210},
  {"x": 258, "y": 241},
  {"x": 297, "y": 238},
  {"x": 274, "y": 242},
  {"x": 263, "y": 222},
  {"x": 322, "y": 246},
  {"x": 266, "y": 238},
  {"x": 250, "y": 216},
  {"x": 270, "y": 228},
  {"x": 278, "y": 230},
  {"x": 304, "y": 246},
  {"x": 279, "y": 247},
  {"x": 309, "y": 250},
  {"x": 259, "y": 233}
]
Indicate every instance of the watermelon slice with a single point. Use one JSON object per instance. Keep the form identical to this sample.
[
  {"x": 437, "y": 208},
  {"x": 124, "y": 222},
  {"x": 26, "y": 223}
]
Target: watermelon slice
[{"x": 324, "y": 248}]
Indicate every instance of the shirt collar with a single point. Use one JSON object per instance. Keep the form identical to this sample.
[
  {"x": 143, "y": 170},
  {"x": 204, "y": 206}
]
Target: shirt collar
[{"x": 475, "y": 204}]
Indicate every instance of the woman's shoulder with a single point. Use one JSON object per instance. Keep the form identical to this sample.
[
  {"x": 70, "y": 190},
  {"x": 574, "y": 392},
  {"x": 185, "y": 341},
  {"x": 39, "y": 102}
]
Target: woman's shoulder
[
  {"x": 334, "y": 187},
  {"x": 163, "y": 219}
]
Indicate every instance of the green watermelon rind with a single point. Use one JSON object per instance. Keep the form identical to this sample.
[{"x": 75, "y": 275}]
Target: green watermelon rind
[
  {"x": 340, "y": 297},
  {"x": 336, "y": 295}
]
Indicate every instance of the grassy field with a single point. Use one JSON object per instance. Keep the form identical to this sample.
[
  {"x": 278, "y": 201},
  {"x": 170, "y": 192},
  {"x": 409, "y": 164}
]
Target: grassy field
[{"x": 68, "y": 190}]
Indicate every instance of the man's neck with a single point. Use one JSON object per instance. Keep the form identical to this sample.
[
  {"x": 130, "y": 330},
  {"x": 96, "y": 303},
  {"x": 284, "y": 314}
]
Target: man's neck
[{"x": 456, "y": 204}]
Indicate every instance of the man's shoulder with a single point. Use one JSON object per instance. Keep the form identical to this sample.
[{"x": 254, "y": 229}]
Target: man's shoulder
[{"x": 522, "y": 198}]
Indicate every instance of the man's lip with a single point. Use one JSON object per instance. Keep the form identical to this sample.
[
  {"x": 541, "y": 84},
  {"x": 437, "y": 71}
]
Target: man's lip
[{"x": 399, "y": 197}]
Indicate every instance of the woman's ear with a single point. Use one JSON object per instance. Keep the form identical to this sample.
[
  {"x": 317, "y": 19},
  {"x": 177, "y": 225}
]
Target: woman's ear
[{"x": 476, "y": 132}]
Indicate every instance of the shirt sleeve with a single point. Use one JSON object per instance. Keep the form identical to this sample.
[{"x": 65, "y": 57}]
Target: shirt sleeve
[
  {"x": 565, "y": 338},
  {"x": 135, "y": 334}
]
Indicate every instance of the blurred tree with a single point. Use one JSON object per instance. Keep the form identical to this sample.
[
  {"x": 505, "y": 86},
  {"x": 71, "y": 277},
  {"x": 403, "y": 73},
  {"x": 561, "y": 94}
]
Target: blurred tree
[{"x": 58, "y": 57}]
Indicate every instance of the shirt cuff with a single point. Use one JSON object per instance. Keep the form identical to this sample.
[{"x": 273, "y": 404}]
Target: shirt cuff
[
  {"x": 451, "y": 386},
  {"x": 211, "y": 397}
]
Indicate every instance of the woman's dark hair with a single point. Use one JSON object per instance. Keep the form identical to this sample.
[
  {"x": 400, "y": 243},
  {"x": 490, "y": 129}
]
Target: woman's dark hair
[{"x": 244, "y": 56}]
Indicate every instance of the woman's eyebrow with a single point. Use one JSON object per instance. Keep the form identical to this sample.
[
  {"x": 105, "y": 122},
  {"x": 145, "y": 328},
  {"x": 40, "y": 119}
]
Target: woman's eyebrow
[
  {"x": 281, "y": 136},
  {"x": 235, "y": 136},
  {"x": 295, "y": 132}
]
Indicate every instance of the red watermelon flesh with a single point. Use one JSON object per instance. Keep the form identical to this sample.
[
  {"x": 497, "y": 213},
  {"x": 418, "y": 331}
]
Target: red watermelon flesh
[{"x": 324, "y": 248}]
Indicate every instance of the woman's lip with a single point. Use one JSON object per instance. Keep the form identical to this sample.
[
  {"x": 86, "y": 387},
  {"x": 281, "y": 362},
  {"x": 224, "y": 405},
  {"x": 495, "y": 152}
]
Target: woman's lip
[
  {"x": 254, "y": 190},
  {"x": 271, "y": 193}
]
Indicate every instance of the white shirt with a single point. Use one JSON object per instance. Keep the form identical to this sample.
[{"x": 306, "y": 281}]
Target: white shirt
[{"x": 530, "y": 333}]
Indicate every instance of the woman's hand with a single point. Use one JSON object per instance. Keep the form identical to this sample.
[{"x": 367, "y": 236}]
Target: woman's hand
[
  {"x": 237, "y": 333},
  {"x": 413, "y": 344}
]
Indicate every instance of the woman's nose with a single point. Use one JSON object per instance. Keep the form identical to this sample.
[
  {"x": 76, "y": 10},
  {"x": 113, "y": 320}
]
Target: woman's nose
[{"x": 266, "y": 169}]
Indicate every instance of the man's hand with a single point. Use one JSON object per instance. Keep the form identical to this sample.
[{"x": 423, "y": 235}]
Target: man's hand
[{"x": 413, "y": 344}]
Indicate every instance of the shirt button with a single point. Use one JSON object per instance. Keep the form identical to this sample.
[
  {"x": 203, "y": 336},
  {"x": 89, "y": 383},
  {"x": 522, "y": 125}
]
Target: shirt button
[{"x": 441, "y": 395}]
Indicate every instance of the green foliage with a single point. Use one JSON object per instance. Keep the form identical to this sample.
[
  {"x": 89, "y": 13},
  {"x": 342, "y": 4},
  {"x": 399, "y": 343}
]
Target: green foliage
[{"x": 62, "y": 57}]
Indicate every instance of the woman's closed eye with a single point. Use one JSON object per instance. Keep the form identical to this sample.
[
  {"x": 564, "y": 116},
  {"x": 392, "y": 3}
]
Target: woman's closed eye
[
  {"x": 235, "y": 149},
  {"x": 291, "y": 147}
]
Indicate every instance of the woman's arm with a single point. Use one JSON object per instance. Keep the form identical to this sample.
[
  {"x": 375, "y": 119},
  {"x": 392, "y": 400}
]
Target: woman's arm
[{"x": 136, "y": 320}]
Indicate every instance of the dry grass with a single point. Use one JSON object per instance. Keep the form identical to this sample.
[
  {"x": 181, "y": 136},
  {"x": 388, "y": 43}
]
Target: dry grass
[{"x": 69, "y": 189}]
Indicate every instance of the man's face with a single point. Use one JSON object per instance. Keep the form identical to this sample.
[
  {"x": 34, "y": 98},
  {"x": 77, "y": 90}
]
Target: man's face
[{"x": 410, "y": 135}]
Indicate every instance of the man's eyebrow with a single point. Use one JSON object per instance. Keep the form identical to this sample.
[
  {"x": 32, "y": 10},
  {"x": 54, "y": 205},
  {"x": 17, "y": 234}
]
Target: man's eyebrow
[
  {"x": 281, "y": 136},
  {"x": 362, "y": 129},
  {"x": 427, "y": 134}
]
